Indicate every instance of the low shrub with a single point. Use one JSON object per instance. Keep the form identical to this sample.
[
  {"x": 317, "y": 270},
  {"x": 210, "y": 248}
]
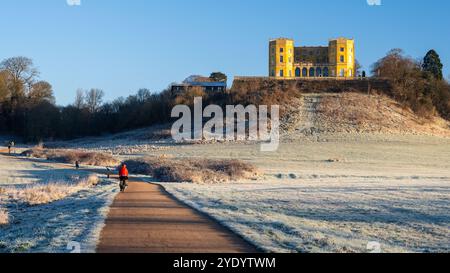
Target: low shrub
[
  {"x": 193, "y": 170},
  {"x": 71, "y": 156}
]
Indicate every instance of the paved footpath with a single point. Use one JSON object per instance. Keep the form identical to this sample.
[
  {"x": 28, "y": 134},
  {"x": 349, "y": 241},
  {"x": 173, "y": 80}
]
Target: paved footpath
[{"x": 146, "y": 219}]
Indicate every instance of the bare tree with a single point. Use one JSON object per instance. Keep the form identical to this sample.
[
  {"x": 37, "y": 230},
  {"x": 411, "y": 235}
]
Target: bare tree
[
  {"x": 79, "y": 99},
  {"x": 358, "y": 68},
  {"x": 4, "y": 90},
  {"x": 40, "y": 91},
  {"x": 395, "y": 65},
  {"x": 94, "y": 99},
  {"x": 143, "y": 94},
  {"x": 21, "y": 69}
]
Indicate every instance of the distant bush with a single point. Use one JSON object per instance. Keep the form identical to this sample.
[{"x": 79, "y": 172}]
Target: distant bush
[
  {"x": 193, "y": 170},
  {"x": 72, "y": 156}
]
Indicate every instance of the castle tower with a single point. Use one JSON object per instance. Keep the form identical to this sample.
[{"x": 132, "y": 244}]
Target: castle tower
[
  {"x": 281, "y": 58},
  {"x": 342, "y": 58}
]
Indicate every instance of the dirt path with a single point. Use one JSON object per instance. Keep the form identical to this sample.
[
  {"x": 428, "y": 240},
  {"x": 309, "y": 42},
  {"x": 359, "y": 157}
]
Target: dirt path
[{"x": 147, "y": 219}]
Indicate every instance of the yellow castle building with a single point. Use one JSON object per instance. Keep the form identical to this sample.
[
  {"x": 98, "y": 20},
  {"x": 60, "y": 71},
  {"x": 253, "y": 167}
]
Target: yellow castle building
[{"x": 288, "y": 61}]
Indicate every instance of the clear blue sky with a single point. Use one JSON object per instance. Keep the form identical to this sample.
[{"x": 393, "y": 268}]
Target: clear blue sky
[{"x": 121, "y": 46}]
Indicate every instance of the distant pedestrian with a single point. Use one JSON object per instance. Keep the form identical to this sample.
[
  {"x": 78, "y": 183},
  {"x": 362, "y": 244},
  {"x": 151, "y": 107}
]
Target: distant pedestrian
[
  {"x": 108, "y": 172},
  {"x": 10, "y": 146},
  {"x": 77, "y": 164}
]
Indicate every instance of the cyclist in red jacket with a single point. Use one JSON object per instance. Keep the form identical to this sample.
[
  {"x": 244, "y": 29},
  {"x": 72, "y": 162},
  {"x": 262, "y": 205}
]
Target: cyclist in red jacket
[{"x": 123, "y": 175}]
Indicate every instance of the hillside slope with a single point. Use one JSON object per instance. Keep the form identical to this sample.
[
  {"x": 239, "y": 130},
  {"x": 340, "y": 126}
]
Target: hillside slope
[{"x": 348, "y": 112}]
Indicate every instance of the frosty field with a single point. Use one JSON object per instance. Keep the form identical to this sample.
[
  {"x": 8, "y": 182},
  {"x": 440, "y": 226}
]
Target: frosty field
[
  {"x": 334, "y": 196},
  {"x": 49, "y": 228},
  {"x": 331, "y": 193}
]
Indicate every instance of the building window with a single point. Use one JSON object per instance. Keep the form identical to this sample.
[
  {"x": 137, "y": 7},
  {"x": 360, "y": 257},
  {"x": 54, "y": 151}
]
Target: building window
[
  {"x": 272, "y": 73},
  {"x": 290, "y": 73},
  {"x": 297, "y": 72},
  {"x": 319, "y": 72},
  {"x": 326, "y": 72},
  {"x": 342, "y": 49},
  {"x": 281, "y": 59},
  {"x": 304, "y": 72},
  {"x": 350, "y": 73},
  {"x": 342, "y": 58},
  {"x": 312, "y": 72},
  {"x": 290, "y": 60},
  {"x": 281, "y": 50},
  {"x": 281, "y": 73},
  {"x": 342, "y": 73}
]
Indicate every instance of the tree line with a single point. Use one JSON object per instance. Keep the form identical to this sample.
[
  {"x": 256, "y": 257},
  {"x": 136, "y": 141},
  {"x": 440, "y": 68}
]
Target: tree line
[
  {"x": 418, "y": 84},
  {"x": 28, "y": 109}
]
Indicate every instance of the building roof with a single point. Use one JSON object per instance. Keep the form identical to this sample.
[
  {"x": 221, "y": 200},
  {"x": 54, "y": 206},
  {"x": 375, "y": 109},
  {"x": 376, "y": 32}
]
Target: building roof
[
  {"x": 203, "y": 84},
  {"x": 196, "y": 80}
]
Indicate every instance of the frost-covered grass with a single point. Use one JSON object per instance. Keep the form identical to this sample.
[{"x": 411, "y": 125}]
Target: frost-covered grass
[
  {"x": 334, "y": 194},
  {"x": 139, "y": 141},
  {"x": 49, "y": 192},
  {"x": 75, "y": 212},
  {"x": 4, "y": 217},
  {"x": 324, "y": 214}
]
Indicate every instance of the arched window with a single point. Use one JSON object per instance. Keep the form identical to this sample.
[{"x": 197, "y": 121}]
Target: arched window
[
  {"x": 312, "y": 72},
  {"x": 304, "y": 72},
  {"x": 326, "y": 72},
  {"x": 319, "y": 72},
  {"x": 297, "y": 72}
]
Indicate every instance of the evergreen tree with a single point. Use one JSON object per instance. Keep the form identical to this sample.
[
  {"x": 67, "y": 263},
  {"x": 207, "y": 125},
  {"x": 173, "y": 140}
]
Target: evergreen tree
[
  {"x": 432, "y": 64},
  {"x": 218, "y": 76}
]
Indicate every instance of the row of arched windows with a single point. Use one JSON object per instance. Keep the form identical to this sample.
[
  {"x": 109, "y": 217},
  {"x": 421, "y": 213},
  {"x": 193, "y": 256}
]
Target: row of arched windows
[{"x": 312, "y": 72}]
